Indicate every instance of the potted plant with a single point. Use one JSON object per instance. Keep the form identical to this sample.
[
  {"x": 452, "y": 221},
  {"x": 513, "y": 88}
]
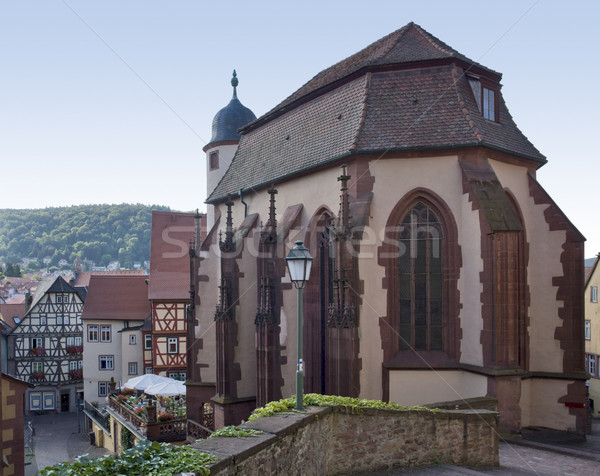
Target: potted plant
[{"x": 37, "y": 351}]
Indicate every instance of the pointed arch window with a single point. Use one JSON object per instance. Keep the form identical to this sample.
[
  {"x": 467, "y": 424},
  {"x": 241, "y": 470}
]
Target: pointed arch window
[{"x": 420, "y": 280}]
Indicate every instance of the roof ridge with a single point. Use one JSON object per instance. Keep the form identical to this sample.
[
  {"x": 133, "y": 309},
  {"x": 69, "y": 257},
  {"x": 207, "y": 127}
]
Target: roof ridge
[
  {"x": 363, "y": 116},
  {"x": 461, "y": 101},
  {"x": 437, "y": 43}
]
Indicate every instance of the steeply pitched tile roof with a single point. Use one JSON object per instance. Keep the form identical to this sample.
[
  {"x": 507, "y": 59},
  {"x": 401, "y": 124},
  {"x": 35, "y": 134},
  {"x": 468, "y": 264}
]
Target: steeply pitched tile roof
[
  {"x": 117, "y": 297},
  {"x": 83, "y": 278},
  {"x": 172, "y": 234},
  {"x": 407, "y": 91}
]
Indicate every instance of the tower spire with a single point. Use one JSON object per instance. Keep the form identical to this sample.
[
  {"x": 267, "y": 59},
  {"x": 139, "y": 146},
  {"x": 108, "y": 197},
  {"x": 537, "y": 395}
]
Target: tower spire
[{"x": 234, "y": 83}]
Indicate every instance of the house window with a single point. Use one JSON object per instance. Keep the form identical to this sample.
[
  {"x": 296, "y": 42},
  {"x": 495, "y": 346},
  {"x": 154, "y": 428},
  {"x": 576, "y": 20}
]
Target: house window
[
  {"x": 133, "y": 368},
  {"x": 420, "y": 280},
  {"x": 594, "y": 294},
  {"x": 78, "y": 340},
  {"x": 48, "y": 400},
  {"x": 37, "y": 367},
  {"x": 105, "y": 334},
  {"x": 177, "y": 375},
  {"x": 66, "y": 320},
  {"x": 148, "y": 341},
  {"x": 148, "y": 370},
  {"x": 102, "y": 389},
  {"x": 73, "y": 365},
  {"x": 213, "y": 161},
  {"x": 35, "y": 401},
  {"x": 106, "y": 362},
  {"x": 41, "y": 401},
  {"x": 93, "y": 333},
  {"x": 592, "y": 365},
  {"x": 489, "y": 104},
  {"x": 59, "y": 319},
  {"x": 59, "y": 299},
  {"x": 43, "y": 320},
  {"x": 37, "y": 342},
  {"x": 132, "y": 339},
  {"x": 588, "y": 330},
  {"x": 66, "y": 299},
  {"x": 172, "y": 345},
  {"x": 70, "y": 340}
]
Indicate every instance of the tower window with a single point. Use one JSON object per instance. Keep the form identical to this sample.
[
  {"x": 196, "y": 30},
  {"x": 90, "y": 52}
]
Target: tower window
[{"x": 213, "y": 161}]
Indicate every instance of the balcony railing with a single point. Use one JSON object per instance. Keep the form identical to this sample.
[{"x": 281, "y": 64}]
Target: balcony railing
[
  {"x": 100, "y": 417},
  {"x": 174, "y": 429}
]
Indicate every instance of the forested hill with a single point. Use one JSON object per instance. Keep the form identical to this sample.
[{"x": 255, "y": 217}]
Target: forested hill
[{"x": 98, "y": 233}]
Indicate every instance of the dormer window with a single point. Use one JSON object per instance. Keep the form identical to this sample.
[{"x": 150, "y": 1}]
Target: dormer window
[
  {"x": 489, "y": 104},
  {"x": 485, "y": 98}
]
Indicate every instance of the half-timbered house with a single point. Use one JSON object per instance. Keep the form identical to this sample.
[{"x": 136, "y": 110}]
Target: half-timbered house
[
  {"x": 169, "y": 291},
  {"x": 45, "y": 348},
  {"x": 442, "y": 269}
]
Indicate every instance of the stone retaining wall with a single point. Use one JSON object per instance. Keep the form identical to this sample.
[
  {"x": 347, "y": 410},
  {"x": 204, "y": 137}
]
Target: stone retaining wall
[{"x": 333, "y": 440}]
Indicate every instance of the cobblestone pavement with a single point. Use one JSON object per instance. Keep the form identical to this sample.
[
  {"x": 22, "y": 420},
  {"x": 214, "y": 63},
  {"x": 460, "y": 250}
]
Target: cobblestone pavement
[{"x": 58, "y": 437}]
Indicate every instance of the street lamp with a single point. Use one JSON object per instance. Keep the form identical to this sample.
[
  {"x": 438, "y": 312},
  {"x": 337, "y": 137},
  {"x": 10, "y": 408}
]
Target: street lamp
[{"x": 299, "y": 262}]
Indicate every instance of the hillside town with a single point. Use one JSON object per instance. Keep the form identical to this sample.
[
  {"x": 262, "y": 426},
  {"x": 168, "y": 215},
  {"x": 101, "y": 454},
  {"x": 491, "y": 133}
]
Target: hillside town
[{"x": 438, "y": 273}]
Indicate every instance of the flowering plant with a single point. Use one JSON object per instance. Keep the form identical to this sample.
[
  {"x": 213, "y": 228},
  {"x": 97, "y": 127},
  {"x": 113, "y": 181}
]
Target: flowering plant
[
  {"x": 37, "y": 375},
  {"x": 164, "y": 417},
  {"x": 74, "y": 349},
  {"x": 76, "y": 374},
  {"x": 38, "y": 351},
  {"x": 121, "y": 398}
]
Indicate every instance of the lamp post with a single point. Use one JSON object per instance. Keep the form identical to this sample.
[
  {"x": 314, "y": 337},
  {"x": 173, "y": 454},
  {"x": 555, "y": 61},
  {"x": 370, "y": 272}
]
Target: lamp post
[{"x": 299, "y": 262}]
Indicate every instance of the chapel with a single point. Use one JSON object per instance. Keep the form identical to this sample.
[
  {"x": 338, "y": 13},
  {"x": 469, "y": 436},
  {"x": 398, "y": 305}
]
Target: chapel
[{"x": 442, "y": 271}]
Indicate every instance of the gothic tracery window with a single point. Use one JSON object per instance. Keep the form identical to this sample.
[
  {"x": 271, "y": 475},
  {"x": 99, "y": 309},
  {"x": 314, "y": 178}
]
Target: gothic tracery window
[{"x": 420, "y": 280}]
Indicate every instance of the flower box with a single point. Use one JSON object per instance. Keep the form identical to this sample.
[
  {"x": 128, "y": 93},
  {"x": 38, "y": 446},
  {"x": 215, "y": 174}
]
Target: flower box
[
  {"x": 74, "y": 349},
  {"x": 76, "y": 374},
  {"x": 37, "y": 375},
  {"x": 37, "y": 351}
]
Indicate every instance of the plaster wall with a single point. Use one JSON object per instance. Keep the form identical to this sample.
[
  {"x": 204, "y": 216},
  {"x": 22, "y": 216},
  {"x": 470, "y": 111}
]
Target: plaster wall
[
  {"x": 592, "y": 314},
  {"x": 226, "y": 153},
  {"x": 540, "y": 398},
  {"x": 444, "y": 177},
  {"x": 546, "y": 354},
  {"x": 422, "y": 387},
  {"x": 91, "y": 364},
  {"x": 131, "y": 352},
  {"x": 204, "y": 348}
]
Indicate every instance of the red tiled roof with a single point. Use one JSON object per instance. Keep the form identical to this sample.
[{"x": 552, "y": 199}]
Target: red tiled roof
[
  {"x": 407, "y": 91},
  {"x": 83, "y": 279},
  {"x": 10, "y": 310},
  {"x": 122, "y": 297},
  {"x": 172, "y": 234}
]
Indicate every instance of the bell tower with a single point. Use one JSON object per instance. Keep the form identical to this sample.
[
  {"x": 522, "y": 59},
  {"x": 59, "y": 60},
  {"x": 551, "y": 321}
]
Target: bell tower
[{"x": 224, "y": 142}]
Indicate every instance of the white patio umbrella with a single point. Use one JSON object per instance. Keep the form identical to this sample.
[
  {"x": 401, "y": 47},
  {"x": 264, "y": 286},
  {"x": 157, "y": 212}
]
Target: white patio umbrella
[
  {"x": 144, "y": 381},
  {"x": 167, "y": 389}
]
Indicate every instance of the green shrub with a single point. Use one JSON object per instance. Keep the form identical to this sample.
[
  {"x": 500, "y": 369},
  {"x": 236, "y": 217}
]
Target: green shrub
[{"x": 146, "y": 458}]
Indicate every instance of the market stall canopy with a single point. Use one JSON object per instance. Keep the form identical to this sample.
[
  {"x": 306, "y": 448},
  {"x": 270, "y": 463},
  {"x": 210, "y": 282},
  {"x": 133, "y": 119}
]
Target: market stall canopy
[
  {"x": 142, "y": 382},
  {"x": 167, "y": 389}
]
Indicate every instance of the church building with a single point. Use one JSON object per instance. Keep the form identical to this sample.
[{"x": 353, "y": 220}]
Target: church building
[{"x": 442, "y": 269}]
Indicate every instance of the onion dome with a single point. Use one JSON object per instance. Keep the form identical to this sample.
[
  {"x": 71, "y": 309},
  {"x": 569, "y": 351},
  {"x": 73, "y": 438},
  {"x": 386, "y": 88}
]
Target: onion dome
[{"x": 231, "y": 118}]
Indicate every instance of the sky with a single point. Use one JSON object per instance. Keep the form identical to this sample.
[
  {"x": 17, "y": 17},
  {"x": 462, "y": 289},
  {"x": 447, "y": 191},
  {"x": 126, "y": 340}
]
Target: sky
[{"x": 112, "y": 101}]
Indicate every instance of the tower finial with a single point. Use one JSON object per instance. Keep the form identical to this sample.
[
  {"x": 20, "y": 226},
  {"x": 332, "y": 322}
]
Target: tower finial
[{"x": 234, "y": 83}]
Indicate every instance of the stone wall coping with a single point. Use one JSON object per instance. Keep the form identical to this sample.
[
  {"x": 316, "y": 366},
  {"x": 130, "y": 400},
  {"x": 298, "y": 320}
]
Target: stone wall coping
[{"x": 233, "y": 450}]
